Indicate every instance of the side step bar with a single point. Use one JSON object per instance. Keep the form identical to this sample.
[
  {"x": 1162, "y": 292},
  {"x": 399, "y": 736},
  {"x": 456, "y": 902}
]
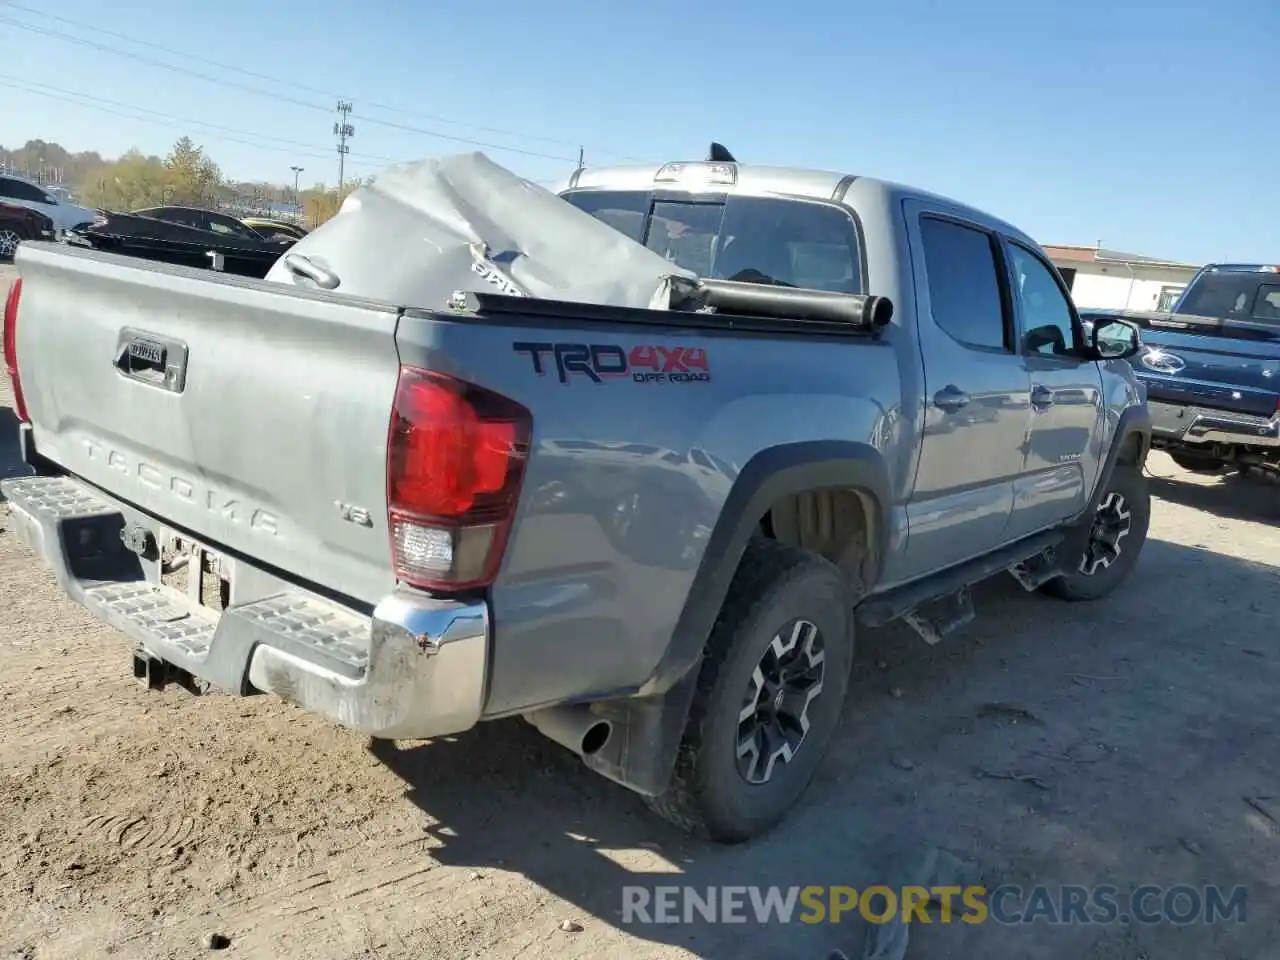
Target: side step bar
[{"x": 939, "y": 605}]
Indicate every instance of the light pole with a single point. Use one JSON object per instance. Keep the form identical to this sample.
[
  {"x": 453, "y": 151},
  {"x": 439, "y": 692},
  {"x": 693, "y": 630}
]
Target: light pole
[{"x": 296, "y": 172}]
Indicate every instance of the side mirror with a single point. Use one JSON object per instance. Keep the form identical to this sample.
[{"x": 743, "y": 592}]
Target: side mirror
[{"x": 1111, "y": 338}]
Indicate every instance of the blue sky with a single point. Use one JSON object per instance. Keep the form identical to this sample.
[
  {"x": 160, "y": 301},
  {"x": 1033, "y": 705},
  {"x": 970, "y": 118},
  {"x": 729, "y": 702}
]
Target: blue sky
[{"x": 1148, "y": 127}]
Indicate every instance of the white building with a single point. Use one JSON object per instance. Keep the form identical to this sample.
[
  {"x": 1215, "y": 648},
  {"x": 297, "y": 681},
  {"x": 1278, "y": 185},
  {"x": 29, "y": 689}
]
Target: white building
[{"x": 1110, "y": 280}]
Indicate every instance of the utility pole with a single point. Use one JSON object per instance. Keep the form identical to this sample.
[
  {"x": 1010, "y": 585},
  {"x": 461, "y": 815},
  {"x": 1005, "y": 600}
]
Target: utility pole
[
  {"x": 296, "y": 171},
  {"x": 342, "y": 130}
]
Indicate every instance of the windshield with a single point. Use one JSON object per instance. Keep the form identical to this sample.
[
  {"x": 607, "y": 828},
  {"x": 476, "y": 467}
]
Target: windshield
[
  {"x": 796, "y": 243},
  {"x": 1234, "y": 296}
]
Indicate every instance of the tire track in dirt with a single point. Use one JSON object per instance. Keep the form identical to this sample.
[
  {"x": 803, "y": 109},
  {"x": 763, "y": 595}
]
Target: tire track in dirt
[
  {"x": 364, "y": 891},
  {"x": 139, "y": 832}
]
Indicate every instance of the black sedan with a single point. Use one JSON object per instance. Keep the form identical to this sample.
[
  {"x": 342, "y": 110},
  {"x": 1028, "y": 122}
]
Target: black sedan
[
  {"x": 18, "y": 224},
  {"x": 185, "y": 235}
]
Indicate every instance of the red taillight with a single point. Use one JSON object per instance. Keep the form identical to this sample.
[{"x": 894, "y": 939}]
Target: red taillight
[
  {"x": 455, "y": 462},
  {"x": 11, "y": 348}
]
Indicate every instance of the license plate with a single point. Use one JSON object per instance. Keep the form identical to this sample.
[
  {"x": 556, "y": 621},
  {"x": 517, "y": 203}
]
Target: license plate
[{"x": 200, "y": 573}]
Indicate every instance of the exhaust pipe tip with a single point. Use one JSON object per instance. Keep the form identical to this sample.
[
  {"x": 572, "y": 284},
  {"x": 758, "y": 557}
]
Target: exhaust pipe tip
[
  {"x": 575, "y": 728},
  {"x": 595, "y": 737}
]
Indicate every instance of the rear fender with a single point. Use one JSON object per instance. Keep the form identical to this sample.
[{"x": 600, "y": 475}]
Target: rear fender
[{"x": 648, "y": 728}]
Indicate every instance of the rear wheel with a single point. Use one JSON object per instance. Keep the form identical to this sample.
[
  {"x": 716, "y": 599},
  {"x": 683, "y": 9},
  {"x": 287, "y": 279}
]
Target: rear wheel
[
  {"x": 769, "y": 695},
  {"x": 1196, "y": 462},
  {"x": 1116, "y": 537},
  {"x": 10, "y": 237}
]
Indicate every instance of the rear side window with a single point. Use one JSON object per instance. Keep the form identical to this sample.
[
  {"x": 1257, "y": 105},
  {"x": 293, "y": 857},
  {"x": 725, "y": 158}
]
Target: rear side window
[
  {"x": 964, "y": 287},
  {"x": 170, "y": 215},
  {"x": 793, "y": 243},
  {"x": 625, "y": 212}
]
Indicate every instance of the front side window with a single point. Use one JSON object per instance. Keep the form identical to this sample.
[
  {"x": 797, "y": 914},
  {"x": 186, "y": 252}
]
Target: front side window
[
  {"x": 229, "y": 227},
  {"x": 795, "y": 243},
  {"x": 1047, "y": 326}
]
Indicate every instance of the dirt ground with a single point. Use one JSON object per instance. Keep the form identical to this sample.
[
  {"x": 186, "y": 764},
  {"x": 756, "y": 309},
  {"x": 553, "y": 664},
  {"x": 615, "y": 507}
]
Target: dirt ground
[{"x": 1145, "y": 728}]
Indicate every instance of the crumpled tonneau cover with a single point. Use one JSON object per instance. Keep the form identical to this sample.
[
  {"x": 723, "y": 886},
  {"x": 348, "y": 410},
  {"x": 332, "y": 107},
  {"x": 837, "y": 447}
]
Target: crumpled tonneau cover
[{"x": 424, "y": 230}]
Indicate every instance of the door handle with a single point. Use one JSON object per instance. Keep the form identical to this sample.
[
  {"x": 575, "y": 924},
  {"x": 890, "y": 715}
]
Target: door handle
[
  {"x": 1041, "y": 397},
  {"x": 301, "y": 266},
  {"x": 950, "y": 398}
]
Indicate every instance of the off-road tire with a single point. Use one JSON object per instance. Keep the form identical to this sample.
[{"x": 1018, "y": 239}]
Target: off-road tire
[
  {"x": 775, "y": 584},
  {"x": 1131, "y": 484},
  {"x": 1196, "y": 463}
]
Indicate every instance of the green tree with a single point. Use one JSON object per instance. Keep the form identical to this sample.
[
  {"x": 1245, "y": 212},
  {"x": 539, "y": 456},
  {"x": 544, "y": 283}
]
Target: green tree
[
  {"x": 191, "y": 176},
  {"x": 322, "y": 202},
  {"x": 133, "y": 181}
]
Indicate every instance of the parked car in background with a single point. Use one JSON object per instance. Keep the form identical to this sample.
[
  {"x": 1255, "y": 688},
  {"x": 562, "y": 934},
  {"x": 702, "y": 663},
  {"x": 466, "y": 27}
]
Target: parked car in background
[
  {"x": 184, "y": 235},
  {"x": 1211, "y": 367},
  {"x": 200, "y": 219},
  {"x": 271, "y": 229},
  {"x": 56, "y": 205},
  {"x": 18, "y": 224}
]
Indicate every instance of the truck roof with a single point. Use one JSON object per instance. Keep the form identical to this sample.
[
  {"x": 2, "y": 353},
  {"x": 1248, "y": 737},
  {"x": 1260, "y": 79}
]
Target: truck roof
[
  {"x": 754, "y": 180},
  {"x": 1240, "y": 268}
]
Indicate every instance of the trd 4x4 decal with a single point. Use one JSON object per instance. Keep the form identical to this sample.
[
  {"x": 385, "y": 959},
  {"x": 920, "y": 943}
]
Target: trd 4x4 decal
[{"x": 604, "y": 361}]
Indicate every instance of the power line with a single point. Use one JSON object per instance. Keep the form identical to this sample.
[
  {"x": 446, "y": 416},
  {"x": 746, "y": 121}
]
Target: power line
[
  {"x": 222, "y": 81},
  {"x": 169, "y": 123},
  {"x": 115, "y": 106},
  {"x": 229, "y": 134},
  {"x": 278, "y": 81}
]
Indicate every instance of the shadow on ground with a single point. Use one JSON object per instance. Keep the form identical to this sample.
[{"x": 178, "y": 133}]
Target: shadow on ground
[
  {"x": 1127, "y": 745},
  {"x": 11, "y": 464},
  {"x": 1231, "y": 496}
]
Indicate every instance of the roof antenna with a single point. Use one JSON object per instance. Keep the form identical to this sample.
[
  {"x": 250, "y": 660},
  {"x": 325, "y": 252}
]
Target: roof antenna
[{"x": 719, "y": 154}]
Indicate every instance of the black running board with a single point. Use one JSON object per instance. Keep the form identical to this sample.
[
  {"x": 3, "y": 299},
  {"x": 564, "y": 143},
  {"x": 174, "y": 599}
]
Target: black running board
[{"x": 1019, "y": 558}]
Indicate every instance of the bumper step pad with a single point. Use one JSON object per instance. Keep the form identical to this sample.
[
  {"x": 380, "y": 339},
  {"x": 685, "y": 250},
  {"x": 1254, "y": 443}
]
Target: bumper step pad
[{"x": 415, "y": 669}]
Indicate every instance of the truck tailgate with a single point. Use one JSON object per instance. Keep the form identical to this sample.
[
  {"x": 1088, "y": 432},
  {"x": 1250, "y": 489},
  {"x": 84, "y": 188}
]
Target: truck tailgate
[
  {"x": 250, "y": 414},
  {"x": 1230, "y": 369}
]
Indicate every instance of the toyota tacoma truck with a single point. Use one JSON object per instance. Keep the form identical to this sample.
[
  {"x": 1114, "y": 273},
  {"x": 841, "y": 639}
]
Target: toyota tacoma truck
[
  {"x": 630, "y": 461},
  {"x": 1211, "y": 367}
]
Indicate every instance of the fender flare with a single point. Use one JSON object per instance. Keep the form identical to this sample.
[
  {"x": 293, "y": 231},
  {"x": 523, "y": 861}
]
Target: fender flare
[
  {"x": 650, "y": 725},
  {"x": 768, "y": 476},
  {"x": 1134, "y": 421}
]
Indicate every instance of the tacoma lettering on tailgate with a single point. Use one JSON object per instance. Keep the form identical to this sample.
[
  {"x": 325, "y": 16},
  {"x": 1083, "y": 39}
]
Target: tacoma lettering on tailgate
[
  {"x": 226, "y": 505},
  {"x": 604, "y": 361}
]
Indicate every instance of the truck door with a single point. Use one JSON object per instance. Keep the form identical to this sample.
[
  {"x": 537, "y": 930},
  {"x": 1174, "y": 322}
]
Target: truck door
[
  {"x": 976, "y": 392},
  {"x": 1066, "y": 398}
]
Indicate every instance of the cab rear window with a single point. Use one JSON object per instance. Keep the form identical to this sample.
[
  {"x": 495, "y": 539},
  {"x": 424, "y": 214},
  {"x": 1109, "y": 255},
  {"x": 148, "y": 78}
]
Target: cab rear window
[
  {"x": 794, "y": 243},
  {"x": 1234, "y": 295}
]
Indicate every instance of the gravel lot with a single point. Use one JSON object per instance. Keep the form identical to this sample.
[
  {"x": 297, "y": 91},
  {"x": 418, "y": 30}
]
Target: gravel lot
[{"x": 137, "y": 824}]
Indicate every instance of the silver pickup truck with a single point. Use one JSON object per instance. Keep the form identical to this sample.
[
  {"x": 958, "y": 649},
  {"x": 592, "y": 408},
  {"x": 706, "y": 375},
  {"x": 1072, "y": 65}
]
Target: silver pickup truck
[{"x": 648, "y": 528}]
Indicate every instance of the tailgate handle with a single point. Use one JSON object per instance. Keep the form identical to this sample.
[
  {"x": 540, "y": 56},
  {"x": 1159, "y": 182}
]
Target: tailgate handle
[
  {"x": 301, "y": 266},
  {"x": 155, "y": 361}
]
